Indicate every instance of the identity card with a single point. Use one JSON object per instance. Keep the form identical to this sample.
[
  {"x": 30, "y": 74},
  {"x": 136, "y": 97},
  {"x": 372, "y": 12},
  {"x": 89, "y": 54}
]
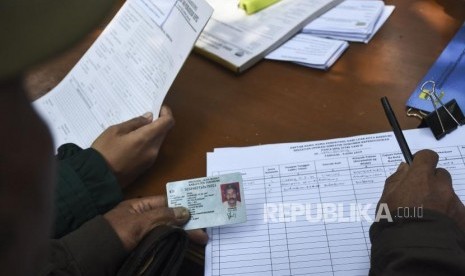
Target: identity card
[{"x": 212, "y": 201}]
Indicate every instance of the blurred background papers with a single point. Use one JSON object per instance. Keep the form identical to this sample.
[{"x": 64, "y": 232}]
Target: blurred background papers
[
  {"x": 310, "y": 51},
  {"x": 355, "y": 20},
  {"x": 323, "y": 40}
]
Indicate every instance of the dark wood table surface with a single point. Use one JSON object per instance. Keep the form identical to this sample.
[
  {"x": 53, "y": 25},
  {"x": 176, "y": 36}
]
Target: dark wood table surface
[{"x": 277, "y": 102}]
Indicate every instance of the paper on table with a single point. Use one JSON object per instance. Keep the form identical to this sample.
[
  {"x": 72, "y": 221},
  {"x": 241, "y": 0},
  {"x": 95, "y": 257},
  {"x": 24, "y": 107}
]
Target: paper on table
[
  {"x": 310, "y": 51},
  {"x": 351, "y": 20},
  {"x": 127, "y": 71},
  {"x": 238, "y": 40},
  {"x": 346, "y": 171},
  {"x": 352, "y": 24},
  {"x": 387, "y": 11}
]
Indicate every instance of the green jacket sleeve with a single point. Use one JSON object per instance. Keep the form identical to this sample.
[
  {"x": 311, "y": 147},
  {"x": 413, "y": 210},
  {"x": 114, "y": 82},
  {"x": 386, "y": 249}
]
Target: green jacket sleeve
[
  {"x": 86, "y": 187},
  {"x": 431, "y": 245},
  {"x": 93, "y": 249}
]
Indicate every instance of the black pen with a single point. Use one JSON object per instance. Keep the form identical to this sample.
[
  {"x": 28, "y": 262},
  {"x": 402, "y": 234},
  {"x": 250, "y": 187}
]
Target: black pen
[{"x": 397, "y": 131}]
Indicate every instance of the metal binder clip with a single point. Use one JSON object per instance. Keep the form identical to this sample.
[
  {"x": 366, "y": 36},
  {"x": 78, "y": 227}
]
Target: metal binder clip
[
  {"x": 417, "y": 113},
  {"x": 444, "y": 119}
]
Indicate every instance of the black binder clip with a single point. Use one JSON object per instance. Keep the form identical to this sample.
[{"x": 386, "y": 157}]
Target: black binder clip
[{"x": 446, "y": 118}]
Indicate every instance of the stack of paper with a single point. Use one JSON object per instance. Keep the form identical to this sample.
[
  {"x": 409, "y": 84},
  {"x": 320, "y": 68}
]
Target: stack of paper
[
  {"x": 237, "y": 40},
  {"x": 310, "y": 205},
  {"x": 323, "y": 41},
  {"x": 310, "y": 51},
  {"x": 355, "y": 20}
]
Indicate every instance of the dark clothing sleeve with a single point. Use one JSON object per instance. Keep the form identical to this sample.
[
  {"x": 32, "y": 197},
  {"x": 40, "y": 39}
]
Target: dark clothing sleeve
[
  {"x": 432, "y": 245},
  {"x": 86, "y": 187},
  {"x": 93, "y": 249}
]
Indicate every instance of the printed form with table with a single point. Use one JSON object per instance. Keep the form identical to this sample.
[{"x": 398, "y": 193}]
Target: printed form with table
[{"x": 277, "y": 178}]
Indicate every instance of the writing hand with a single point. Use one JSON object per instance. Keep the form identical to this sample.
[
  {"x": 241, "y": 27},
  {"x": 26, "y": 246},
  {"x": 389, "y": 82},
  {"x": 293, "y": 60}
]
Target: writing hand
[
  {"x": 422, "y": 184},
  {"x": 132, "y": 146}
]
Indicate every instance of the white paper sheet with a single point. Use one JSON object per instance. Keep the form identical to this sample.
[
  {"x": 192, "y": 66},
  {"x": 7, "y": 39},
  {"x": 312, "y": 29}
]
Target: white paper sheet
[
  {"x": 358, "y": 26},
  {"x": 387, "y": 11},
  {"x": 310, "y": 51},
  {"x": 239, "y": 40},
  {"x": 127, "y": 71},
  {"x": 341, "y": 171},
  {"x": 353, "y": 17}
]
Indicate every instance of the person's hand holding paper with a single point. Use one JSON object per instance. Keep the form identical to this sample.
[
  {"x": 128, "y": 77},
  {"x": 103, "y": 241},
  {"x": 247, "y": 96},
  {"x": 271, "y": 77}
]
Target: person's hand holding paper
[{"x": 132, "y": 146}]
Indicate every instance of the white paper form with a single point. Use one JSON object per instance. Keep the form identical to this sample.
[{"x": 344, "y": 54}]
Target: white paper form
[
  {"x": 309, "y": 50},
  {"x": 341, "y": 171},
  {"x": 160, "y": 10},
  {"x": 127, "y": 71},
  {"x": 355, "y": 19},
  {"x": 239, "y": 40},
  {"x": 387, "y": 11}
]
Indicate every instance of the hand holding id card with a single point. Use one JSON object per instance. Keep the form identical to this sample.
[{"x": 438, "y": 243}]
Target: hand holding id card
[{"x": 212, "y": 201}]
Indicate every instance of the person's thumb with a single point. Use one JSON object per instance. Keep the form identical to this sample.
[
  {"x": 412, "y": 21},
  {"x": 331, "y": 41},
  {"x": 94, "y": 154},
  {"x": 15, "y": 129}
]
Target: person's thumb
[
  {"x": 135, "y": 123},
  {"x": 170, "y": 216},
  {"x": 181, "y": 215}
]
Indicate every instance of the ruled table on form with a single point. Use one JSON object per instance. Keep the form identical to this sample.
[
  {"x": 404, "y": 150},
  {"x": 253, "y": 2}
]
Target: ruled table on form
[{"x": 309, "y": 205}]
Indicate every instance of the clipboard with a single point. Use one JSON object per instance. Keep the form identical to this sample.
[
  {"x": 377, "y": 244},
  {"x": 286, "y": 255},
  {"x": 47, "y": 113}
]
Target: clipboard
[{"x": 448, "y": 73}]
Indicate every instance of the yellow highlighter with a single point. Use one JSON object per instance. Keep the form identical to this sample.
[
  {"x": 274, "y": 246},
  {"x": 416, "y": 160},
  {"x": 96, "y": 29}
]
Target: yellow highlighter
[{"x": 253, "y": 6}]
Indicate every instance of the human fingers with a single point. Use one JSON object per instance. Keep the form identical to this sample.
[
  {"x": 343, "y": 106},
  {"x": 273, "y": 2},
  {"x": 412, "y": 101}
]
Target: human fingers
[
  {"x": 141, "y": 205},
  {"x": 403, "y": 167},
  {"x": 401, "y": 171},
  {"x": 131, "y": 227},
  {"x": 392, "y": 182},
  {"x": 198, "y": 236},
  {"x": 134, "y": 123},
  {"x": 398, "y": 175},
  {"x": 425, "y": 161},
  {"x": 169, "y": 216},
  {"x": 157, "y": 128},
  {"x": 443, "y": 176},
  {"x": 165, "y": 111}
]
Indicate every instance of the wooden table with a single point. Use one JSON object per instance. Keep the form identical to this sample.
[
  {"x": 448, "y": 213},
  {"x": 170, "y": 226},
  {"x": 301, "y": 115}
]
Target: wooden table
[{"x": 276, "y": 102}]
